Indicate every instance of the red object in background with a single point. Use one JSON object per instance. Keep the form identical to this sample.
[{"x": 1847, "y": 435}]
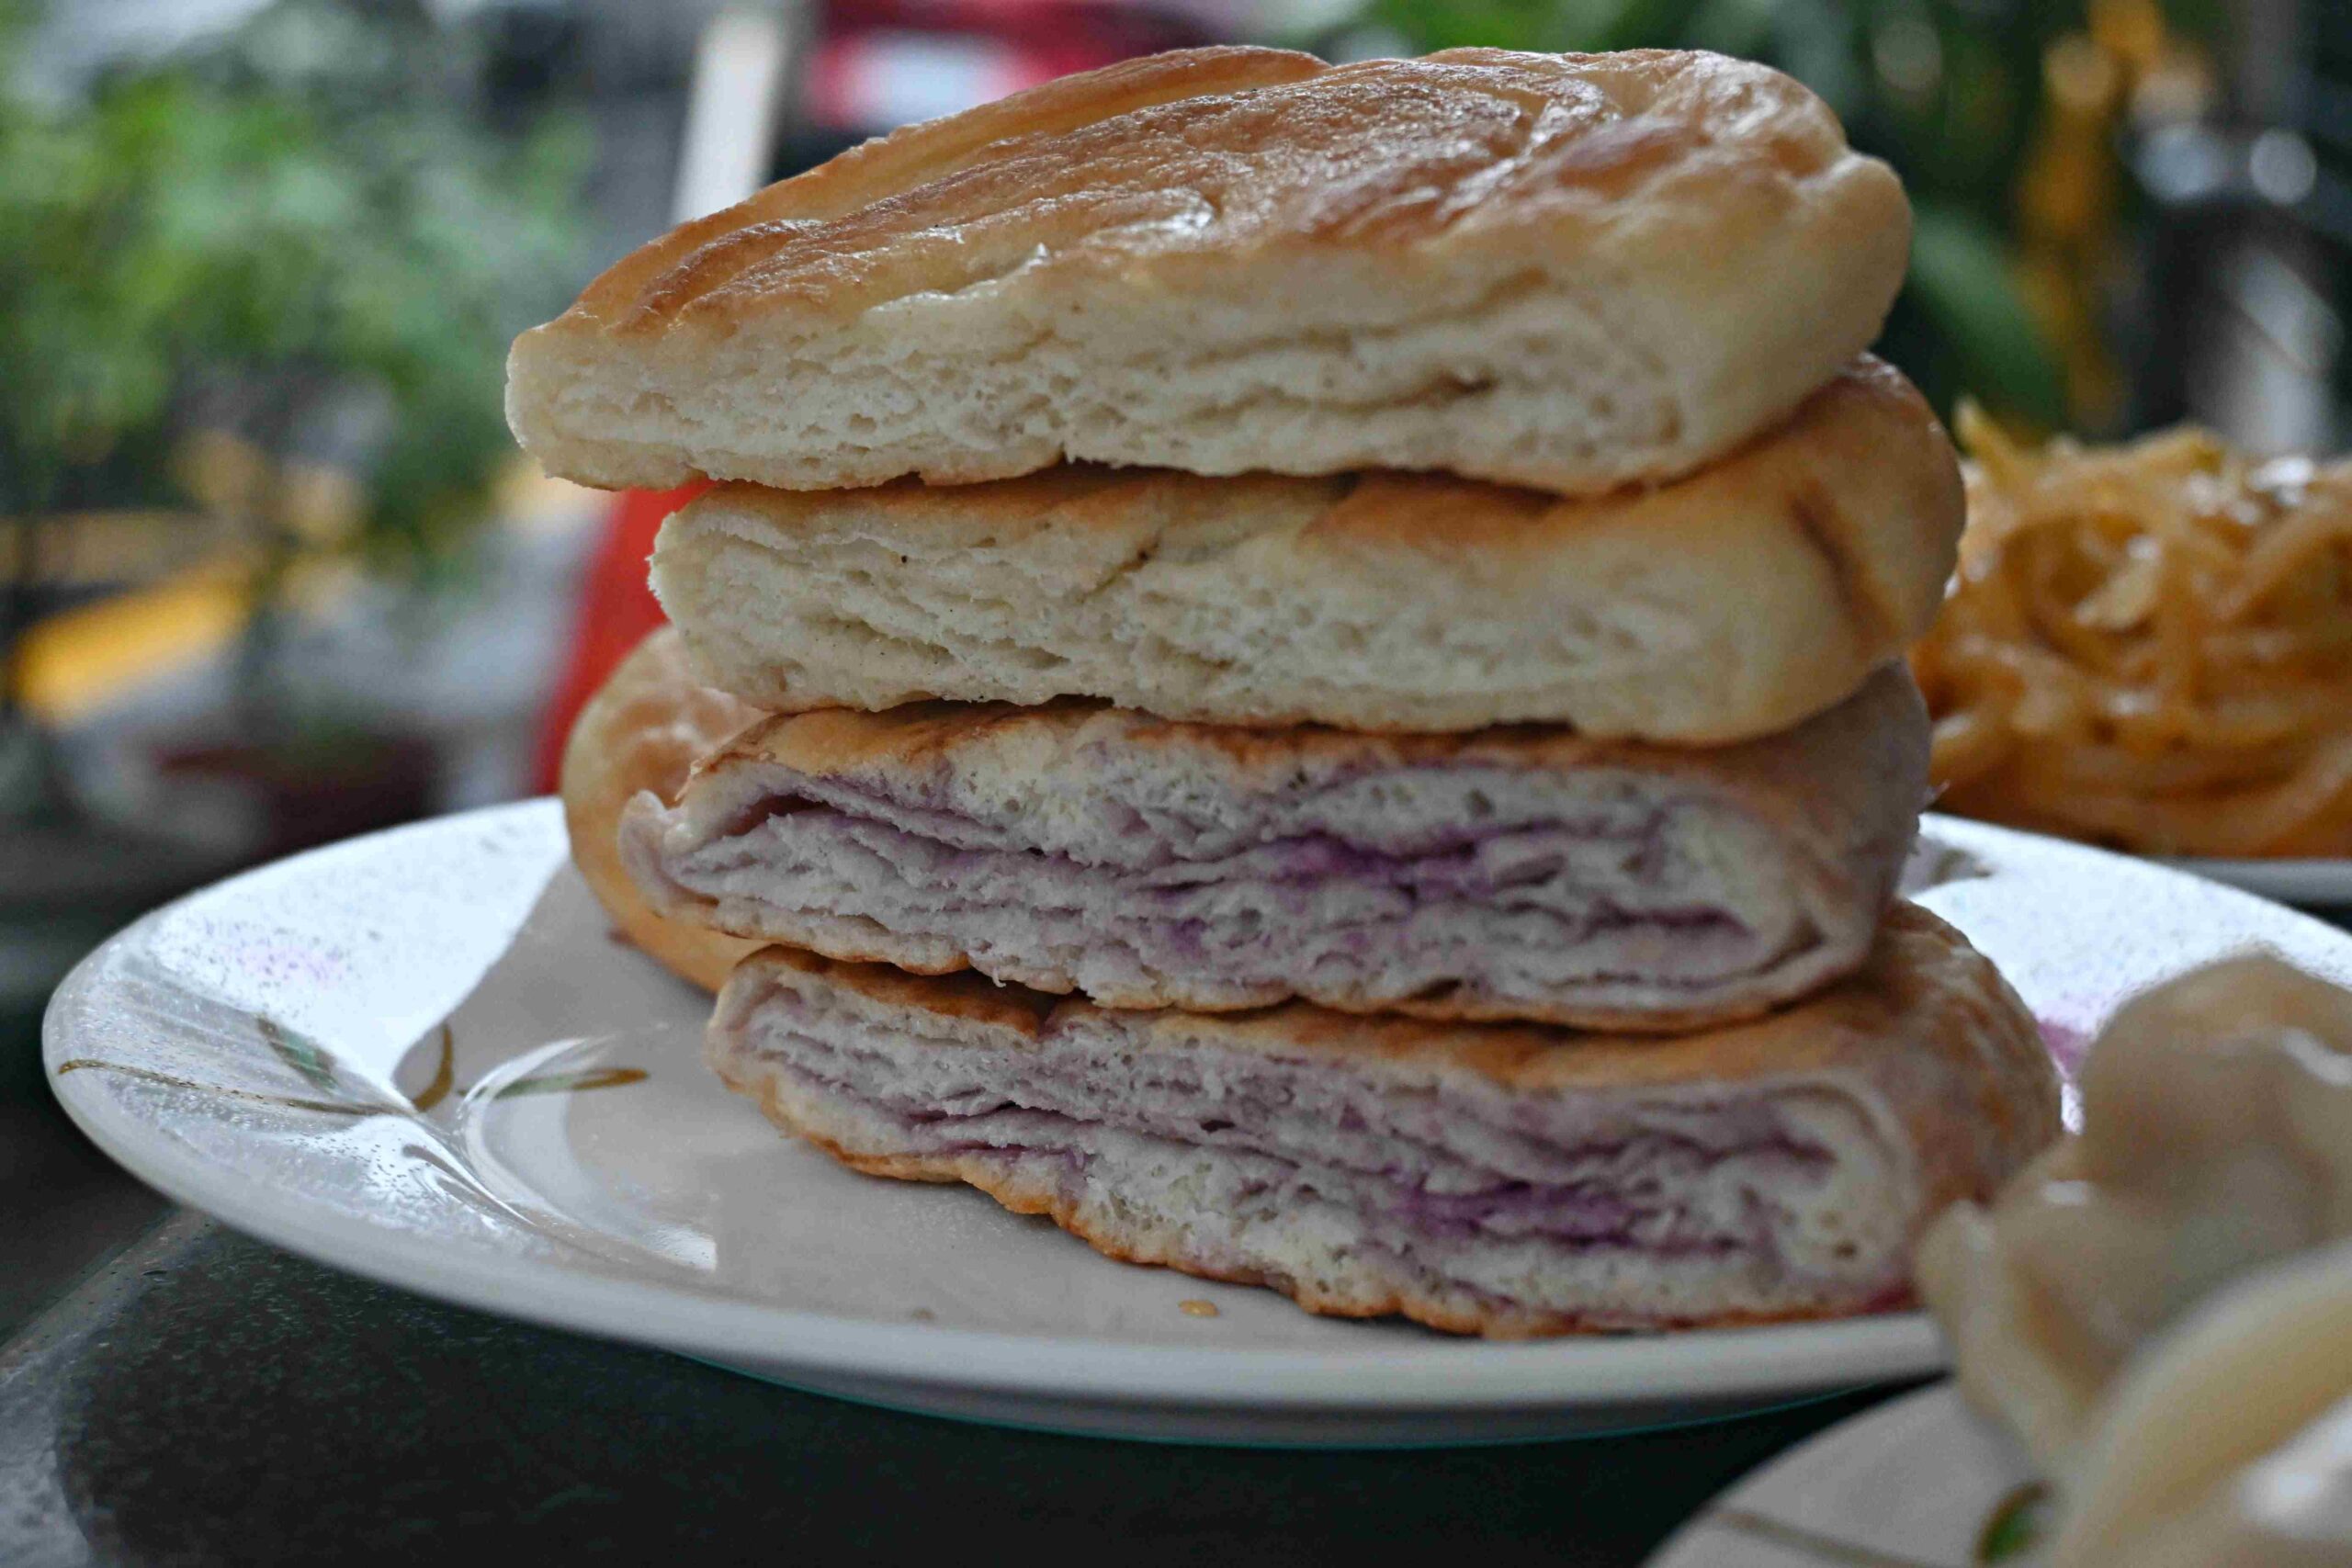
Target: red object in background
[
  {"x": 873, "y": 64},
  {"x": 876, "y": 64},
  {"x": 616, "y": 609}
]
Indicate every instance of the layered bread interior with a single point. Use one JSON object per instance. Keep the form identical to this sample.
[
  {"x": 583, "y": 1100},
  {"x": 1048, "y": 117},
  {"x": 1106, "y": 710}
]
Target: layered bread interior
[
  {"x": 1491, "y": 1178},
  {"x": 1518, "y": 876}
]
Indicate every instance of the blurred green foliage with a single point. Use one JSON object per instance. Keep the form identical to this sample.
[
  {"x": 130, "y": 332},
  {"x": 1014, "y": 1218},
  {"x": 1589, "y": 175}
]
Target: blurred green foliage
[
  {"x": 1948, "y": 91},
  {"x": 306, "y": 212}
]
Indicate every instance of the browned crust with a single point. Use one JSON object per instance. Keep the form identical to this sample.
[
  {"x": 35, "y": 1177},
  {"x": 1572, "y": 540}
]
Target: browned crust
[
  {"x": 643, "y": 730},
  {"x": 917, "y": 154},
  {"x": 1716, "y": 200},
  {"x": 1218, "y": 153}
]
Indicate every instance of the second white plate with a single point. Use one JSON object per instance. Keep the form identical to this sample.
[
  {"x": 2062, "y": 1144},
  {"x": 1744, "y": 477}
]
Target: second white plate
[
  {"x": 2311, "y": 884},
  {"x": 1918, "y": 1482},
  {"x": 422, "y": 1058}
]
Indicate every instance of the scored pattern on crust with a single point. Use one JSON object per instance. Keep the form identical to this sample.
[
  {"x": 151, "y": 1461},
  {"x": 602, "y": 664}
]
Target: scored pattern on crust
[{"x": 1558, "y": 270}]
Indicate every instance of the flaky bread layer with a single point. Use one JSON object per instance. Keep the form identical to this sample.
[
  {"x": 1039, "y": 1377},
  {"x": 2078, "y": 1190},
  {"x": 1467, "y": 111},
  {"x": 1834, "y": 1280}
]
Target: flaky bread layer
[
  {"x": 1733, "y": 604},
  {"x": 1563, "y": 271}
]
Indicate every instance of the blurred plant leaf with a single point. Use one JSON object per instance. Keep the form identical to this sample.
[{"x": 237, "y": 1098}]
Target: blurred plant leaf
[
  {"x": 1945, "y": 90},
  {"x": 1960, "y": 280},
  {"x": 573, "y": 1083},
  {"x": 2019, "y": 1523},
  {"x": 1743, "y": 27},
  {"x": 305, "y": 204}
]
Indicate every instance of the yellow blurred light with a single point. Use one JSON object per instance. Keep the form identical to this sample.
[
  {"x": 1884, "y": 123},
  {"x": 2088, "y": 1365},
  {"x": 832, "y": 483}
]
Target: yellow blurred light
[
  {"x": 319, "y": 503},
  {"x": 2133, "y": 31},
  {"x": 69, "y": 665},
  {"x": 2081, "y": 77},
  {"x": 225, "y": 473}
]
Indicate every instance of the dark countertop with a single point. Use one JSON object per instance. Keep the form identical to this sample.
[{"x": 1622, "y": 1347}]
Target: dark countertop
[
  {"x": 203, "y": 1399},
  {"x": 64, "y": 1207}
]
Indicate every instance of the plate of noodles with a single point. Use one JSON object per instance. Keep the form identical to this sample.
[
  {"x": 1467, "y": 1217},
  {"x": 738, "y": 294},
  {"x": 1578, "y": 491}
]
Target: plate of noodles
[{"x": 2149, "y": 646}]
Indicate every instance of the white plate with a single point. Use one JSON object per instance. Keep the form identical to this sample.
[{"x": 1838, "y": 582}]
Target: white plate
[
  {"x": 2316, "y": 884},
  {"x": 271, "y": 1050},
  {"x": 1919, "y": 1483}
]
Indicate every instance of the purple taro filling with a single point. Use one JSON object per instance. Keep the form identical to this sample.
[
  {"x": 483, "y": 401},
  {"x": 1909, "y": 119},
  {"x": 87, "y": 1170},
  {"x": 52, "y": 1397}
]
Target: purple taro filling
[
  {"x": 1672, "y": 1180},
  {"x": 1651, "y": 900},
  {"x": 1569, "y": 1216}
]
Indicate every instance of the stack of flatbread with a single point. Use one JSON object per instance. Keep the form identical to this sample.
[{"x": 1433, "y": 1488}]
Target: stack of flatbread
[{"x": 1303, "y": 674}]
